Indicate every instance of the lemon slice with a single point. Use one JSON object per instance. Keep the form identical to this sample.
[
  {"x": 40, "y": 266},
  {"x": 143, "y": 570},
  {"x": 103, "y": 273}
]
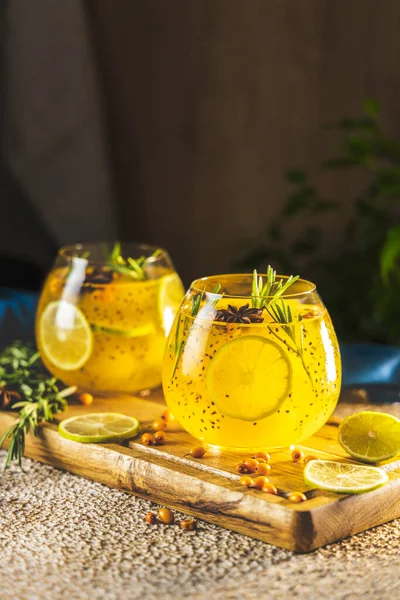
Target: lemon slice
[
  {"x": 65, "y": 335},
  {"x": 99, "y": 427},
  {"x": 343, "y": 478},
  {"x": 370, "y": 436},
  {"x": 170, "y": 297},
  {"x": 249, "y": 378},
  {"x": 127, "y": 333}
]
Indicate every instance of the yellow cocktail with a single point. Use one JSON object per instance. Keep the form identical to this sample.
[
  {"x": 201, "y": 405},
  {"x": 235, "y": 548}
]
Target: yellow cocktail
[
  {"x": 247, "y": 368},
  {"x": 103, "y": 317}
]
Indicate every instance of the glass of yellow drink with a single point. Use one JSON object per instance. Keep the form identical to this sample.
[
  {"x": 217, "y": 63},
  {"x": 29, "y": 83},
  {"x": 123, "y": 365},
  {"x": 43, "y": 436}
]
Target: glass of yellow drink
[
  {"x": 104, "y": 315},
  {"x": 252, "y": 363}
]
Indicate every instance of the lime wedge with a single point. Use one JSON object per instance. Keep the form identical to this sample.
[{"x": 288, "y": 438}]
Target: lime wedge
[
  {"x": 127, "y": 333},
  {"x": 370, "y": 436},
  {"x": 65, "y": 335},
  {"x": 99, "y": 427},
  {"x": 249, "y": 378},
  {"x": 343, "y": 478},
  {"x": 170, "y": 297}
]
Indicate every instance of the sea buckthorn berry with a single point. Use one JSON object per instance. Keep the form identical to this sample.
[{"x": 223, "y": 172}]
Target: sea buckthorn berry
[
  {"x": 189, "y": 524},
  {"x": 250, "y": 464},
  {"x": 297, "y": 497},
  {"x": 241, "y": 468},
  {"x": 151, "y": 518},
  {"x": 148, "y": 439},
  {"x": 197, "y": 452},
  {"x": 263, "y": 455},
  {"x": 159, "y": 425},
  {"x": 166, "y": 516},
  {"x": 269, "y": 488},
  {"x": 263, "y": 469},
  {"x": 310, "y": 457},
  {"x": 259, "y": 482},
  {"x": 246, "y": 481},
  {"x": 168, "y": 416},
  {"x": 160, "y": 437},
  {"x": 261, "y": 460},
  {"x": 297, "y": 455},
  {"x": 86, "y": 399}
]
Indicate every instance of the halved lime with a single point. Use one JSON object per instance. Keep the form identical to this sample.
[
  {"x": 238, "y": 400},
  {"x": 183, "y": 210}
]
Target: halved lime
[
  {"x": 170, "y": 297},
  {"x": 249, "y": 378},
  {"x": 343, "y": 478},
  {"x": 65, "y": 335},
  {"x": 99, "y": 427},
  {"x": 370, "y": 436},
  {"x": 133, "y": 332}
]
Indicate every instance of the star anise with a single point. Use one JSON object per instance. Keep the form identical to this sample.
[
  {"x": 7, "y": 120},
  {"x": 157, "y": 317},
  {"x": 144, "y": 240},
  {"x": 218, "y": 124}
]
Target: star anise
[
  {"x": 8, "y": 397},
  {"x": 243, "y": 314}
]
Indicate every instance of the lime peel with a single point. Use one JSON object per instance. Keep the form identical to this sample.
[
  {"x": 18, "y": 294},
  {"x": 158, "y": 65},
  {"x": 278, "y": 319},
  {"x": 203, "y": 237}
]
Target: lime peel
[
  {"x": 369, "y": 436},
  {"x": 99, "y": 427}
]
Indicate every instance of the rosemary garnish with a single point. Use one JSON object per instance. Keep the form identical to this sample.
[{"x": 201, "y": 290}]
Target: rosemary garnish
[
  {"x": 25, "y": 385},
  {"x": 269, "y": 296},
  {"x": 196, "y": 304},
  {"x": 131, "y": 267}
]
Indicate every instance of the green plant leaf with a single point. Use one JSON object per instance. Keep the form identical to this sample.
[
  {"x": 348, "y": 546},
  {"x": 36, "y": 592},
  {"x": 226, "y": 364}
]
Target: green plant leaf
[
  {"x": 390, "y": 253},
  {"x": 371, "y": 107},
  {"x": 297, "y": 176}
]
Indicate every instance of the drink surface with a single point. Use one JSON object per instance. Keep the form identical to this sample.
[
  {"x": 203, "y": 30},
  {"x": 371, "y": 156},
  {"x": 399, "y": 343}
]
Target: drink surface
[
  {"x": 123, "y": 323},
  {"x": 248, "y": 386}
]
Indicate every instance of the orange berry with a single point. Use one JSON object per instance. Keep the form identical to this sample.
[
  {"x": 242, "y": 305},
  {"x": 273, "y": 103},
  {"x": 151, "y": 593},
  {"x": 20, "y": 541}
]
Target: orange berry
[
  {"x": 246, "y": 481},
  {"x": 160, "y": 437},
  {"x": 269, "y": 488},
  {"x": 197, "y": 452},
  {"x": 250, "y": 464},
  {"x": 263, "y": 469},
  {"x": 189, "y": 524},
  {"x": 166, "y": 516},
  {"x": 240, "y": 468},
  {"x": 259, "y": 482},
  {"x": 297, "y": 497},
  {"x": 148, "y": 439},
  {"x": 263, "y": 455},
  {"x": 151, "y": 518},
  {"x": 297, "y": 455},
  {"x": 261, "y": 460},
  {"x": 310, "y": 457},
  {"x": 159, "y": 425},
  {"x": 168, "y": 416},
  {"x": 86, "y": 399}
]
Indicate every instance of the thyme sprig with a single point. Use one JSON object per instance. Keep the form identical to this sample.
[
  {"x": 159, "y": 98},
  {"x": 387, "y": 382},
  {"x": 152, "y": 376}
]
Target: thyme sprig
[
  {"x": 211, "y": 302},
  {"x": 25, "y": 386},
  {"x": 131, "y": 267},
  {"x": 269, "y": 297}
]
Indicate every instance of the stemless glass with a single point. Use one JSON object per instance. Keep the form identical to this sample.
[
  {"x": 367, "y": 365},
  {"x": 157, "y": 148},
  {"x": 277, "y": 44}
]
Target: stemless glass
[
  {"x": 104, "y": 315},
  {"x": 251, "y": 379}
]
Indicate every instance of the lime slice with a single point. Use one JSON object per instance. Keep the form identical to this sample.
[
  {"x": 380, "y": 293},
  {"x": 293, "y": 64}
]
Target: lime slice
[
  {"x": 370, "y": 436},
  {"x": 99, "y": 427},
  {"x": 65, "y": 335},
  {"x": 343, "y": 478},
  {"x": 170, "y": 297},
  {"x": 127, "y": 333},
  {"x": 249, "y": 378}
]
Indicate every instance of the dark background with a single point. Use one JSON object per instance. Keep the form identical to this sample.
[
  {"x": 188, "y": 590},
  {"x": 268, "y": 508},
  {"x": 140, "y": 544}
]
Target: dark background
[{"x": 173, "y": 122}]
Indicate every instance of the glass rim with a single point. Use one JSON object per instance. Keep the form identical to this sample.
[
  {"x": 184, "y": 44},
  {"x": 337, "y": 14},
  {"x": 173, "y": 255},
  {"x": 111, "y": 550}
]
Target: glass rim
[
  {"x": 196, "y": 283},
  {"x": 67, "y": 252}
]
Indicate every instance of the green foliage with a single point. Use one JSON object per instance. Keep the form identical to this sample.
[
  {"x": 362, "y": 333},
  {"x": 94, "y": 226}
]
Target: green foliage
[{"x": 360, "y": 285}]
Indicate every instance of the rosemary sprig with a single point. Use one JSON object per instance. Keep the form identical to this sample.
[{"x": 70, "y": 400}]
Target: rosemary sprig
[
  {"x": 269, "y": 296},
  {"x": 25, "y": 385},
  {"x": 211, "y": 301},
  {"x": 131, "y": 267}
]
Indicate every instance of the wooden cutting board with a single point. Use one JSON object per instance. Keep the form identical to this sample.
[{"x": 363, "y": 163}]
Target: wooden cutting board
[{"x": 208, "y": 488}]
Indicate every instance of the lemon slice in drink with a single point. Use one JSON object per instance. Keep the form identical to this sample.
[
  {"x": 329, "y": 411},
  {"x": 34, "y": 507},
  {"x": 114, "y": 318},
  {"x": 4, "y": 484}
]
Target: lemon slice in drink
[
  {"x": 249, "y": 378},
  {"x": 170, "y": 297},
  {"x": 65, "y": 335},
  {"x": 99, "y": 427},
  {"x": 343, "y": 478},
  {"x": 370, "y": 436}
]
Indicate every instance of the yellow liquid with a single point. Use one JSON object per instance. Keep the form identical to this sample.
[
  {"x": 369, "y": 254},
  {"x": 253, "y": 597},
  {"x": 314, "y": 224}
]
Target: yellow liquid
[
  {"x": 313, "y": 394},
  {"x": 119, "y": 362}
]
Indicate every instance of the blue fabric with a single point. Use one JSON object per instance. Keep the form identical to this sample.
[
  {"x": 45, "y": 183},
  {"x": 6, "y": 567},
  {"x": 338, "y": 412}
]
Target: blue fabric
[{"x": 363, "y": 364}]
